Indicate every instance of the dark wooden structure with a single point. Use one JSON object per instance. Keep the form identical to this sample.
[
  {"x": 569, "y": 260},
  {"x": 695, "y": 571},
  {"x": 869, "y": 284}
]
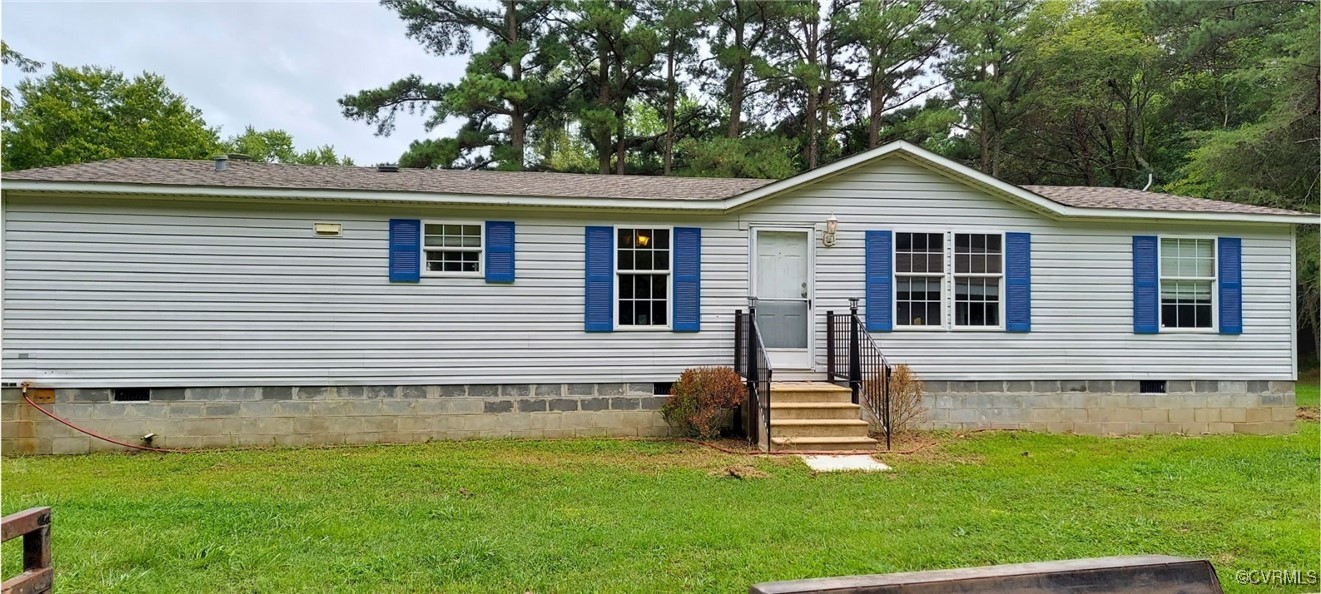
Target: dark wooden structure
[
  {"x": 1150, "y": 574},
  {"x": 34, "y": 526}
]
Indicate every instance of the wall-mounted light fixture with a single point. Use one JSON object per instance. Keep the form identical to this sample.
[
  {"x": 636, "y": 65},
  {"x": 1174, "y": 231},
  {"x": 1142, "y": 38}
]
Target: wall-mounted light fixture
[
  {"x": 832, "y": 225},
  {"x": 327, "y": 229}
]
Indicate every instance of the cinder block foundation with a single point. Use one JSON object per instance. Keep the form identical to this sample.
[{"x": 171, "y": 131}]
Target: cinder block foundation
[
  {"x": 1112, "y": 407},
  {"x": 319, "y": 415}
]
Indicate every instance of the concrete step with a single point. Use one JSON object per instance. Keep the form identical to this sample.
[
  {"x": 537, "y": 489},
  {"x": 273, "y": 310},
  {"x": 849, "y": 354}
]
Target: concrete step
[
  {"x": 814, "y": 410},
  {"x": 809, "y": 392},
  {"x": 819, "y": 428},
  {"x": 823, "y": 444}
]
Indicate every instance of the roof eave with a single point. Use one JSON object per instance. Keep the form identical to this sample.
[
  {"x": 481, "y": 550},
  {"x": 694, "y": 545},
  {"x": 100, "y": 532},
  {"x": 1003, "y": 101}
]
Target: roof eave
[
  {"x": 421, "y": 198},
  {"x": 1022, "y": 196}
]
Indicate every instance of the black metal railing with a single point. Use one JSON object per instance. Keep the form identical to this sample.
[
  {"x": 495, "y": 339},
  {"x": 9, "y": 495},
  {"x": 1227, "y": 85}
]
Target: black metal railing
[
  {"x": 754, "y": 366},
  {"x": 854, "y": 359}
]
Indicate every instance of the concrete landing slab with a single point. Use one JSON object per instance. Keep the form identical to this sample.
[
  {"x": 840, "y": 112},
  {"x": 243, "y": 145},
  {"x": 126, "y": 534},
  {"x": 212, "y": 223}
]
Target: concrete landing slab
[{"x": 855, "y": 462}]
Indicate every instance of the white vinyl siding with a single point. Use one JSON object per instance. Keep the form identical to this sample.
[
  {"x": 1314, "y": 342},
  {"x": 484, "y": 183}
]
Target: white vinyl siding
[{"x": 107, "y": 292}]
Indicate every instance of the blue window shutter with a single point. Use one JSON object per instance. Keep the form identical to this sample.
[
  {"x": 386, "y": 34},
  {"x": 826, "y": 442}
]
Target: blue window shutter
[
  {"x": 1018, "y": 282},
  {"x": 405, "y": 250},
  {"x": 599, "y": 267},
  {"x": 879, "y": 264},
  {"x": 687, "y": 279},
  {"x": 1146, "y": 286},
  {"x": 1231, "y": 284},
  {"x": 499, "y": 251}
]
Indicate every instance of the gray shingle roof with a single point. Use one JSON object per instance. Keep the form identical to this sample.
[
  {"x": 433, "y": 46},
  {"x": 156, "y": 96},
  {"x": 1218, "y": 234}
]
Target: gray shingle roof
[
  {"x": 1128, "y": 199},
  {"x": 240, "y": 174}
]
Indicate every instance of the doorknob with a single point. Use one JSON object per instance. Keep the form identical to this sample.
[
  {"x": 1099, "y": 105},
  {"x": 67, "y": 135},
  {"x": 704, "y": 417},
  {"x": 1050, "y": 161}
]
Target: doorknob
[{"x": 804, "y": 295}]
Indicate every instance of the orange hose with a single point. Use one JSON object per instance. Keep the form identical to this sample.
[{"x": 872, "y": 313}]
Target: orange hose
[{"x": 97, "y": 435}]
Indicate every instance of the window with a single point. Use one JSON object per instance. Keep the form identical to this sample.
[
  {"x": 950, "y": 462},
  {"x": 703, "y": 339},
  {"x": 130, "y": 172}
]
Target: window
[
  {"x": 919, "y": 272},
  {"x": 132, "y": 394},
  {"x": 1187, "y": 276},
  {"x": 452, "y": 248},
  {"x": 948, "y": 275},
  {"x": 642, "y": 270},
  {"x": 1151, "y": 386},
  {"x": 978, "y": 268}
]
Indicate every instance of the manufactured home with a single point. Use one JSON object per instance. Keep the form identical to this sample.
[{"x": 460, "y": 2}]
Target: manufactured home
[{"x": 218, "y": 303}]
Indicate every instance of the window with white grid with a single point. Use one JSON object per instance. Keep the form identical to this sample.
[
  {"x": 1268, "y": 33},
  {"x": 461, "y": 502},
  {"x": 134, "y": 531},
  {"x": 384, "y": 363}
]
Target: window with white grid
[
  {"x": 978, "y": 272},
  {"x": 642, "y": 272},
  {"x": 1187, "y": 282},
  {"x": 452, "y": 248},
  {"x": 919, "y": 270}
]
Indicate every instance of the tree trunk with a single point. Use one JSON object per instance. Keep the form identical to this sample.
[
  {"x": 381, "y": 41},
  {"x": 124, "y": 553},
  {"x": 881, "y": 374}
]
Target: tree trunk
[
  {"x": 874, "y": 101},
  {"x": 601, "y": 136},
  {"x": 984, "y": 140},
  {"x": 670, "y": 100},
  {"x": 517, "y": 124},
  {"x": 736, "y": 82},
  {"x": 813, "y": 91},
  {"x": 621, "y": 130}
]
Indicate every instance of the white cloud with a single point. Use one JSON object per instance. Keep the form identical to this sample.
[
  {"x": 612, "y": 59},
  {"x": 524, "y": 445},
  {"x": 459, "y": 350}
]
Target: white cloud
[{"x": 269, "y": 65}]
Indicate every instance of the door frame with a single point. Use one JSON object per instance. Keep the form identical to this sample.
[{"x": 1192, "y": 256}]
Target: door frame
[{"x": 810, "y": 232}]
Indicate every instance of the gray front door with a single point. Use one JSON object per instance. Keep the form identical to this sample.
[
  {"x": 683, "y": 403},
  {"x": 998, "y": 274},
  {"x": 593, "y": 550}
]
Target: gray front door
[{"x": 782, "y": 285}]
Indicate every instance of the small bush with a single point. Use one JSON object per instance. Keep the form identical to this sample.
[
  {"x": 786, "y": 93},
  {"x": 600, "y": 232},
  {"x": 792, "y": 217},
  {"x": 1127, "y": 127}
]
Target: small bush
[
  {"x": 906, "y": 409},
  {"x": 702, "y": 401}
]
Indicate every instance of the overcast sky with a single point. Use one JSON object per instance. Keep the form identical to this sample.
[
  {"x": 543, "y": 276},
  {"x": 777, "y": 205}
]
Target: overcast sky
[{"x": 268, "y": 64}]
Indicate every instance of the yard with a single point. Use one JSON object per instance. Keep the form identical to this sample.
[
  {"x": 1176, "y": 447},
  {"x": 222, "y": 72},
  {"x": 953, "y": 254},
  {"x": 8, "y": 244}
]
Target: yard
[{"x": 600, "y": 515}]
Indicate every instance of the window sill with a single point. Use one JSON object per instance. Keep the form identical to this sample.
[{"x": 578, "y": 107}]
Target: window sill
[
  {"x": 619, "y": 328},
  {"x": 997, "y": 329},
  {"x": 1188, "y": 331},
  {"x": 453, "y": 275}
]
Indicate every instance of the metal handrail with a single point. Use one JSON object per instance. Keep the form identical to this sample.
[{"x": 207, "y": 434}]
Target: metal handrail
[
  {"x": 753, "y": 364},
  {"x": 866, "y": 370}
]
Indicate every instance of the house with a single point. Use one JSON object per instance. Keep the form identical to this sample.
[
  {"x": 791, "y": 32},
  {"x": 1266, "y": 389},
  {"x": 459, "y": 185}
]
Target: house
[{"x": 239, "y": 303}]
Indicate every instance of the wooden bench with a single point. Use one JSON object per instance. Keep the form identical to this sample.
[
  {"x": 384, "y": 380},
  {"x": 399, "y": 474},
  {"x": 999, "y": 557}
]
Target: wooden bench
[
  {"x": 34, "y": 526},
  {"x": 1152, "y": 574}
]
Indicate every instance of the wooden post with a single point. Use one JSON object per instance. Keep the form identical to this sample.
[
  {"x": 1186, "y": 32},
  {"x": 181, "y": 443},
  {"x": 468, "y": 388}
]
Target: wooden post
[{"x": 34, "y": 526}]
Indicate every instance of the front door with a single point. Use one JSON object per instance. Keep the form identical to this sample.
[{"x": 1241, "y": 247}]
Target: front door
[{"x": 782, "y": 284}]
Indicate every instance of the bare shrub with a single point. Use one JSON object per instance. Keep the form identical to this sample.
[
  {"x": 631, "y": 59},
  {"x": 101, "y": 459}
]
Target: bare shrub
[
  {"x": 906, "y": 409},
  {"x": 703, "y": 400}
]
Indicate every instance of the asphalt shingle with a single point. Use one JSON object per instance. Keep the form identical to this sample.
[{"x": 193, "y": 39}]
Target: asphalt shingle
[
  {"x": 247, "y": 174},
  {"x": 1128, "y": 199}
]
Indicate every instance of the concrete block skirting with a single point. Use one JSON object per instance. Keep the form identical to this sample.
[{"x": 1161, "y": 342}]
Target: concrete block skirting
[
  {"x": 1112, "y": 407},
  {"x": 206, "y": 417}
]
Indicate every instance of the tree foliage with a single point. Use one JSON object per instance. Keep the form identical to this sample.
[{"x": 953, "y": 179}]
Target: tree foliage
[
  {"x": 1211, "y": 98},
  {"x": 277, "y": 146},
  {"x": 76, "y": 115}
]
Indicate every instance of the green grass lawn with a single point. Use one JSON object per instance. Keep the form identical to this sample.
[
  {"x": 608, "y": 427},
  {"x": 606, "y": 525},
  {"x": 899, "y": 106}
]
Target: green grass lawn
[
  {"x": 621, "y": 516},
  {"x": 1307, "y": 389}
]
